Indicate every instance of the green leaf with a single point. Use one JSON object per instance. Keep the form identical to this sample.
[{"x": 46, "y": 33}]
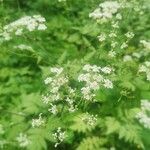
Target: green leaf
[
  {"x": 92, "y": 143},
  {"x": 112, "y": 125},
  {"x": 37, "y": 139},
  {"x": 79, "y": 125}
]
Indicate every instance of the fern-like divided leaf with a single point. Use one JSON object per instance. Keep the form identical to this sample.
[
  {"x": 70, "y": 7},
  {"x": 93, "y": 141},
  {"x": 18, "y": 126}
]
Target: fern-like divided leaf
[
  {"x": 125, "y": 130},
  {"x": 92, "y": 143},
  {"x": 79, "y": 125}
]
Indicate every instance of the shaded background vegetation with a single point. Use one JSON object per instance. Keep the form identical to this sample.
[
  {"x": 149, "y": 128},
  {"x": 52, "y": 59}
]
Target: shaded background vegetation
[{"x": 71, "y": 40}]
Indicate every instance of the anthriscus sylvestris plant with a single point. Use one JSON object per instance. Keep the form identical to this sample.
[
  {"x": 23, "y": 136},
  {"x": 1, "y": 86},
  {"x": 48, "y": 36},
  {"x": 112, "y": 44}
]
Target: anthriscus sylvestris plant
[
  {"x": 76, "y": 77},
  {"x": 61, "y": 97}
]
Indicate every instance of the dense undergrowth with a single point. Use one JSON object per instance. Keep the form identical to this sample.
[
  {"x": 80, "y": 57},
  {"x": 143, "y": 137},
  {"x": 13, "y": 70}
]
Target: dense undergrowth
[{"x": 75, "y": 75}]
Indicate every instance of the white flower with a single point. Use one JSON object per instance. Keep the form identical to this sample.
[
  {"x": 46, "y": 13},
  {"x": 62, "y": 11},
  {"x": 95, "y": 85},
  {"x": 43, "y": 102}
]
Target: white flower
[
  {"x": 129, "y": 35},
  {"x": 87, "y": 67},
  {"x": 85, "y": 90},
  {"x": 137, "y": 55},
  {"x": 142, "y": 116},
  {"x": 70, "y": 104},
  {"x": 106, "y": 70},
  {"x": 127, "y": 58},
  {"x": 90, "y": 119},
  {"x": 23, "y": 47},
  {"x": 142, "y": 68},
  {"x": 56, "y": 70},
  {"x": 23, "y": 140},
  {"x": 72, "y": 91},
  {"x": 87, "y": 94},
  {"x": 19, "y": 32},
  {"x": 112, "y": 54},
  {"x": 53, "y": 109},
  {"x": 95, "y": 69},
  {"x": 39, "y": 18},
  {"x": 37, "y": 122},
  {"x": 17, "y": 27},
  {"x": 112, "y": 34},
  {"x": 108, "y": 84},
  {"x": 102, "y": 37},
  {"x": 59, "y": 136},
  {"x": 96, "y": 14},
  {"x": 62, "y": 80},
  {"x": 45, "y": 99},
  {"x": 70, "y": 101},
  {"x": 72, "y": 108},
  {"x": 115, "y": 25},
  {"x": 145, "y": 68},
  {"x": 42, "y": 27},
  {"x": 110, "y": 6},
  {"x": 146, "y": 44},
  {"x": 48, "y": 80},
  {"x": 55, "y": 82},
  {"x": 105, "y": 11},
  {"x": 124, "y": 45},
  {"x": 145, "y": 104},
  {"x": 93, "y": 79},
  {"x": 54, "y": 89},
  {"x": 84, "y": 77},
  {"x": 113, "y": 44},
  {"x": 94, "y": 85},
  {"x": 55, "y": 97},
  {"x": 6, "y": 36},
  {"x": 148, "y": 76}
]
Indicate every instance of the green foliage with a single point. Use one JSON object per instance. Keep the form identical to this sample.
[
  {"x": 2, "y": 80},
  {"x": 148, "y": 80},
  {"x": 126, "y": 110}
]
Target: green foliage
[
  {"x": 127, "y": 131},
  {"x": 70, "y": 41},
  {"x": 79, "y": 125},
  {"x": 91, "y": 143}
]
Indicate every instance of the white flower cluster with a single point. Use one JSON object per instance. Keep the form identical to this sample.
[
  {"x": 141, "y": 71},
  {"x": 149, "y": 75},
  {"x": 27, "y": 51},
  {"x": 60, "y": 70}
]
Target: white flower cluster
[
  {"x": 146, "y": 44},
  {"x": 144, "y": 51},
  {"x": 129, "y": 36},
  {"x": 55, "y": 83},
  {"x": 105, "y": 11},
  {"x": 111, "y": 36},
  {"x": 102, "y": 37},
  {"x": 93, "y": 79},
  {"x": 30, "y": 23},
  {"x": 146, "y": 69},
  {"x": 53, "y": 109},
  {"x": 23, "y": 47},
  {"x": 37, "y": 122},
  {"x": 139, "y": 54},
  {"x": 59, "y": 136},
  {"x": 112, "y": 54},
  {"x": 90, "y": 119},
  {"x": 142, "y": 116},
  {"x": 70, "y": 102},
  {"x": 127, "y": 58},
  {"x": 23, "y": 140}
]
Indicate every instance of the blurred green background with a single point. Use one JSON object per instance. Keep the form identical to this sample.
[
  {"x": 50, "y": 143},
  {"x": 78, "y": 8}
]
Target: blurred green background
[{"x": 70, "y": 40}]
